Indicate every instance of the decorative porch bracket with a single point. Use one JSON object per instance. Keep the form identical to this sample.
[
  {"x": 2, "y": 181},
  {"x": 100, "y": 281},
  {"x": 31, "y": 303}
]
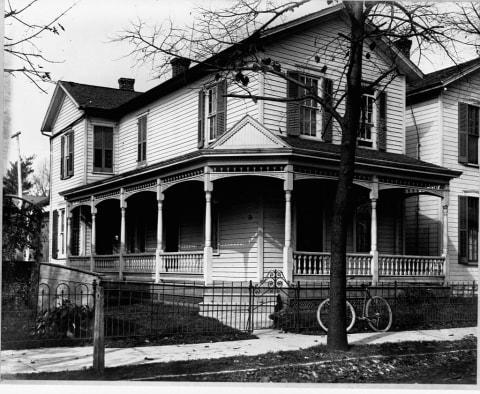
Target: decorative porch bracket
[
  {"x": 208, "y": 250},
  {"x": 287, "y": 249}
]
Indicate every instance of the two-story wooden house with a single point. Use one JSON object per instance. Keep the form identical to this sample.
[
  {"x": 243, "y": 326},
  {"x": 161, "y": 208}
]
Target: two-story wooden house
[
  {"x": 443, "y": 117},
  {"x": 182, "y": 182}
]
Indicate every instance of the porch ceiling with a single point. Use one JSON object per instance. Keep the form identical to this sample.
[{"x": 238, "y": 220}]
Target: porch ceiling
[{"x": 303, "y": 152}]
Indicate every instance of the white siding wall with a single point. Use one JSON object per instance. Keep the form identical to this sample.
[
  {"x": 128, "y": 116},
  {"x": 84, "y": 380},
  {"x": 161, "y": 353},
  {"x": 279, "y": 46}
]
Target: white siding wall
[
  {"x": 299, "y": 49},
  {"x": 67, "y": 114},
  {"x": 466, "y": 90}
]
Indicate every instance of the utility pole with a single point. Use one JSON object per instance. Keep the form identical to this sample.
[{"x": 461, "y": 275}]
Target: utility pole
[{"x": 19, "y": 167}]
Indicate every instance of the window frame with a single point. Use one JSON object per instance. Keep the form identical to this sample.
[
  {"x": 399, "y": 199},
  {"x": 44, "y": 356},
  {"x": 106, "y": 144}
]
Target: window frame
[
  {"x": 310, "y": 107},
  {"x": 142, "y": 123},
  {"x": 468, "y": 229},
  {"x": 468, "y": 133},
  {"x": 67, "y": 153},
  {"x": 212, "y": 112},
  {"x": 103, "y": 168},
  {"x": 372, "y": 111}
]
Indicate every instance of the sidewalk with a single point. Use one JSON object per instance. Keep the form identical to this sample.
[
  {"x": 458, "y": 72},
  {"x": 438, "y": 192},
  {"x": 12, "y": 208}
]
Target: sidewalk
[{"x": 64, "y": 359}]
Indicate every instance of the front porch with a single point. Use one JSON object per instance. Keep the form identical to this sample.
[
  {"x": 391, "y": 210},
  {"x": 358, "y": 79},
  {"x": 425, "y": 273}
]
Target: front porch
[
  {"x": 307, "y": 266},
  {"x": 237, "y": 222}
]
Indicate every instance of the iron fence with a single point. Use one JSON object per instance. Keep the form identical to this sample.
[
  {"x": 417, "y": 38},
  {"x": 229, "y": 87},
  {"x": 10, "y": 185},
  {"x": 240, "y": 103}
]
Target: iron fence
[
  {"x": 56, "y": 315},
  {"x": 174, "y": 312}
]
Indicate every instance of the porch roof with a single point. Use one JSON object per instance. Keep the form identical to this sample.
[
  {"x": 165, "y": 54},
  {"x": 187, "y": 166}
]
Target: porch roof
[{"x": 320, "y": 153}]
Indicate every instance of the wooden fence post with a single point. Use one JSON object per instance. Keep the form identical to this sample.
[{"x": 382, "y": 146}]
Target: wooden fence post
[{"x": 98, "y": 333}]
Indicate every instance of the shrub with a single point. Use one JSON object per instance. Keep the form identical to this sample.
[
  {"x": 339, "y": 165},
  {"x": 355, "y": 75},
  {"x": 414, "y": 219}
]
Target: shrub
[{"x": 67, "y": 320}]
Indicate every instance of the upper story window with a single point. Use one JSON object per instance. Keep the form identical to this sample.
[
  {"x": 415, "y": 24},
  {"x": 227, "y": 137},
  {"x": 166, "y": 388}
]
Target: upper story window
[
  {"x": 372, "y": 131},
  {"x": 468, "y": 229},
  {"x": 305, "y": 117},
  {"x": 102, "y": 149},
  {"x": 142, "y": 139},
  {"x": 468, "y": 132},
  {"x": 212, "y": 107},
  {"x": 66, "y": 155}
]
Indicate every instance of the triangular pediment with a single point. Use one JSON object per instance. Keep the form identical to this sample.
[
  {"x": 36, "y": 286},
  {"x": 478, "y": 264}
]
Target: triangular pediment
[{"x": 248, "y": 134}]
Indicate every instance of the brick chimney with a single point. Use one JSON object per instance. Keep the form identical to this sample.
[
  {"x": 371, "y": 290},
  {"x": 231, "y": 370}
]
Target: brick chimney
[
  {"x": 404, "y": 44},
  {"x": 126, "y": 84},
  {"x": 179, "y": 65}
]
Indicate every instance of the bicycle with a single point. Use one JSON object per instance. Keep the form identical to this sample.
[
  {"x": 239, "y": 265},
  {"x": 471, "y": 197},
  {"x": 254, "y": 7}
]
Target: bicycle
[{"x": 375, "y": 311}]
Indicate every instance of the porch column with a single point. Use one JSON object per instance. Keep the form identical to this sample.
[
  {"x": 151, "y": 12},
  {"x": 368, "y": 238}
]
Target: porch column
[
  {"x": 373, "y": 229},
  {"x": 158, "y": 258},
  {"x": 208, "y": 250},
  {"x": 446, "y": 266},
  {"x": 123, "y": 208},
  {"x": 287, "y": 249},
  {"x": 68, "y": 234},
  {"x": 93, "y": 239}
]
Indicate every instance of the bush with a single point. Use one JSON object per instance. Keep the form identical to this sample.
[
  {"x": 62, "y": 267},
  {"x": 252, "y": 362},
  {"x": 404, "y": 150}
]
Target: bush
[{"x": 66, "y": 321}]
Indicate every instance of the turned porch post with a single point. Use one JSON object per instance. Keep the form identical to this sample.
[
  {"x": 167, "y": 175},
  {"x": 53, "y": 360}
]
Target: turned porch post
[
  {"x": 208, "y": 250},
  {"x": 158, "y": 258},
  {"x": 123, "y": 208},
  {"x": 446, "y": 267},
  {"x": 68, "y": 233},
  {"x": 287, "y": 249},
  {"x": 93, "y": 240},
  {"x": 373, "y": 231}
]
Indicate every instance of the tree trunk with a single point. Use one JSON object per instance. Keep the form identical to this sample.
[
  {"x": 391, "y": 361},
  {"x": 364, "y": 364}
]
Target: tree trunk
[{"x": 337, "y": 334}]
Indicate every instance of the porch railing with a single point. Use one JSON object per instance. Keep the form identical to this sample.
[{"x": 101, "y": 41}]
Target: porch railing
[
  {"x": 182, "y": 262},
  {"x": 394, "y": 265},
  {"x": 311, "y": 263},
  {"x": 107, "y": 263},
  {"x": 140, "y": 262},
  {"x": 80, "y": 262}
]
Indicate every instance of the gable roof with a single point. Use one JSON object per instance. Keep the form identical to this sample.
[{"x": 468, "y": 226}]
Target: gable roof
[
  {"x": 97, "y": 97},
  {"x": 434, "y": 82},
  {"x": 91, "y": 99}
]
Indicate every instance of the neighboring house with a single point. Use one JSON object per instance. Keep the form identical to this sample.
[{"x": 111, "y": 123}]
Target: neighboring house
[
  {"x": 181, "y": 182},
  {"x": 443, "y": 117}
]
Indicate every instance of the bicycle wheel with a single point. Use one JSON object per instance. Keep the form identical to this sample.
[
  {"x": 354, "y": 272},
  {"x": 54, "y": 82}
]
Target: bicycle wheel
[
  {"x": 378, "y": 314},
  {"x": 324, "y": 309}
]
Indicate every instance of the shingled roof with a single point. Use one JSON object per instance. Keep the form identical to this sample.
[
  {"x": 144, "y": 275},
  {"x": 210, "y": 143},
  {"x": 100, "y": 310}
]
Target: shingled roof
[
  {"x": 441, "y": 78},
  {"x": 98, "y": 97}
]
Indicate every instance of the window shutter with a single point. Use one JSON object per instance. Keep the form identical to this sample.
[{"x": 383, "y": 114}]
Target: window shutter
[
  {"x": 327, "y": 119},
  {"x": 221, "y": 107},
  {"x": 62, "y": 157},
  {"x": 462, "y": 132},
  {"x": 382, "y": 121},
  {"x": 70, "y": 153},
  {"x": 201, "y": 119},
  {"x": 55, "y": 234},
  {"x": 293, "y": 107},
  {"x": 462, "y": 229}
]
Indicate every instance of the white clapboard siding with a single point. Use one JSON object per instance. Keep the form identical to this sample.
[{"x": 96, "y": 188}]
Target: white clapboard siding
[
  {"x": 467, "y": 89},
  {"x": 298, "y": 49},
  {"x": 273, "y": 231}
]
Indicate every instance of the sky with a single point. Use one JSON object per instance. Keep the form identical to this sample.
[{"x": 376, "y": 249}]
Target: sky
[{"x": 86, "y": 55}]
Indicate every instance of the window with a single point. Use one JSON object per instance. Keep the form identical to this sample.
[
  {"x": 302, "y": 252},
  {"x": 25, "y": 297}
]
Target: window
[
  {"x": 305, "y": 117},
  {"x": 309, "y": 109},
  {"x": 62, "y": 231},
  {"x": 468, "y": 131},
  {"x": 468, "y": 229},
  {"x": 66, "y": 159},
  {"x": 373, "y": 120},
  {"x": 142, "y": 139},
  {"x": 367, "y": 120},
  {"x": 212, "y": 105},
  {"x": 363, "y": 228},
  {"x": 55, "y": 234},
  {"x": 102, "y": 149}
]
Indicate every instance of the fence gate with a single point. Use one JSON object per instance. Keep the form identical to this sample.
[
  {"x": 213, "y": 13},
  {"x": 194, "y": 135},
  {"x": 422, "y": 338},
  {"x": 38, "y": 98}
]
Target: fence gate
[{"x": 273, "y": 297}]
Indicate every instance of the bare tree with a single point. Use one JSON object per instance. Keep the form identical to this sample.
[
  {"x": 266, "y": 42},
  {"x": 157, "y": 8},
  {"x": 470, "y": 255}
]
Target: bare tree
[
  {"x": 22, "y": 34},
  {"x": 41, "y": 179},
  {"x": 232, "y": 43}
]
